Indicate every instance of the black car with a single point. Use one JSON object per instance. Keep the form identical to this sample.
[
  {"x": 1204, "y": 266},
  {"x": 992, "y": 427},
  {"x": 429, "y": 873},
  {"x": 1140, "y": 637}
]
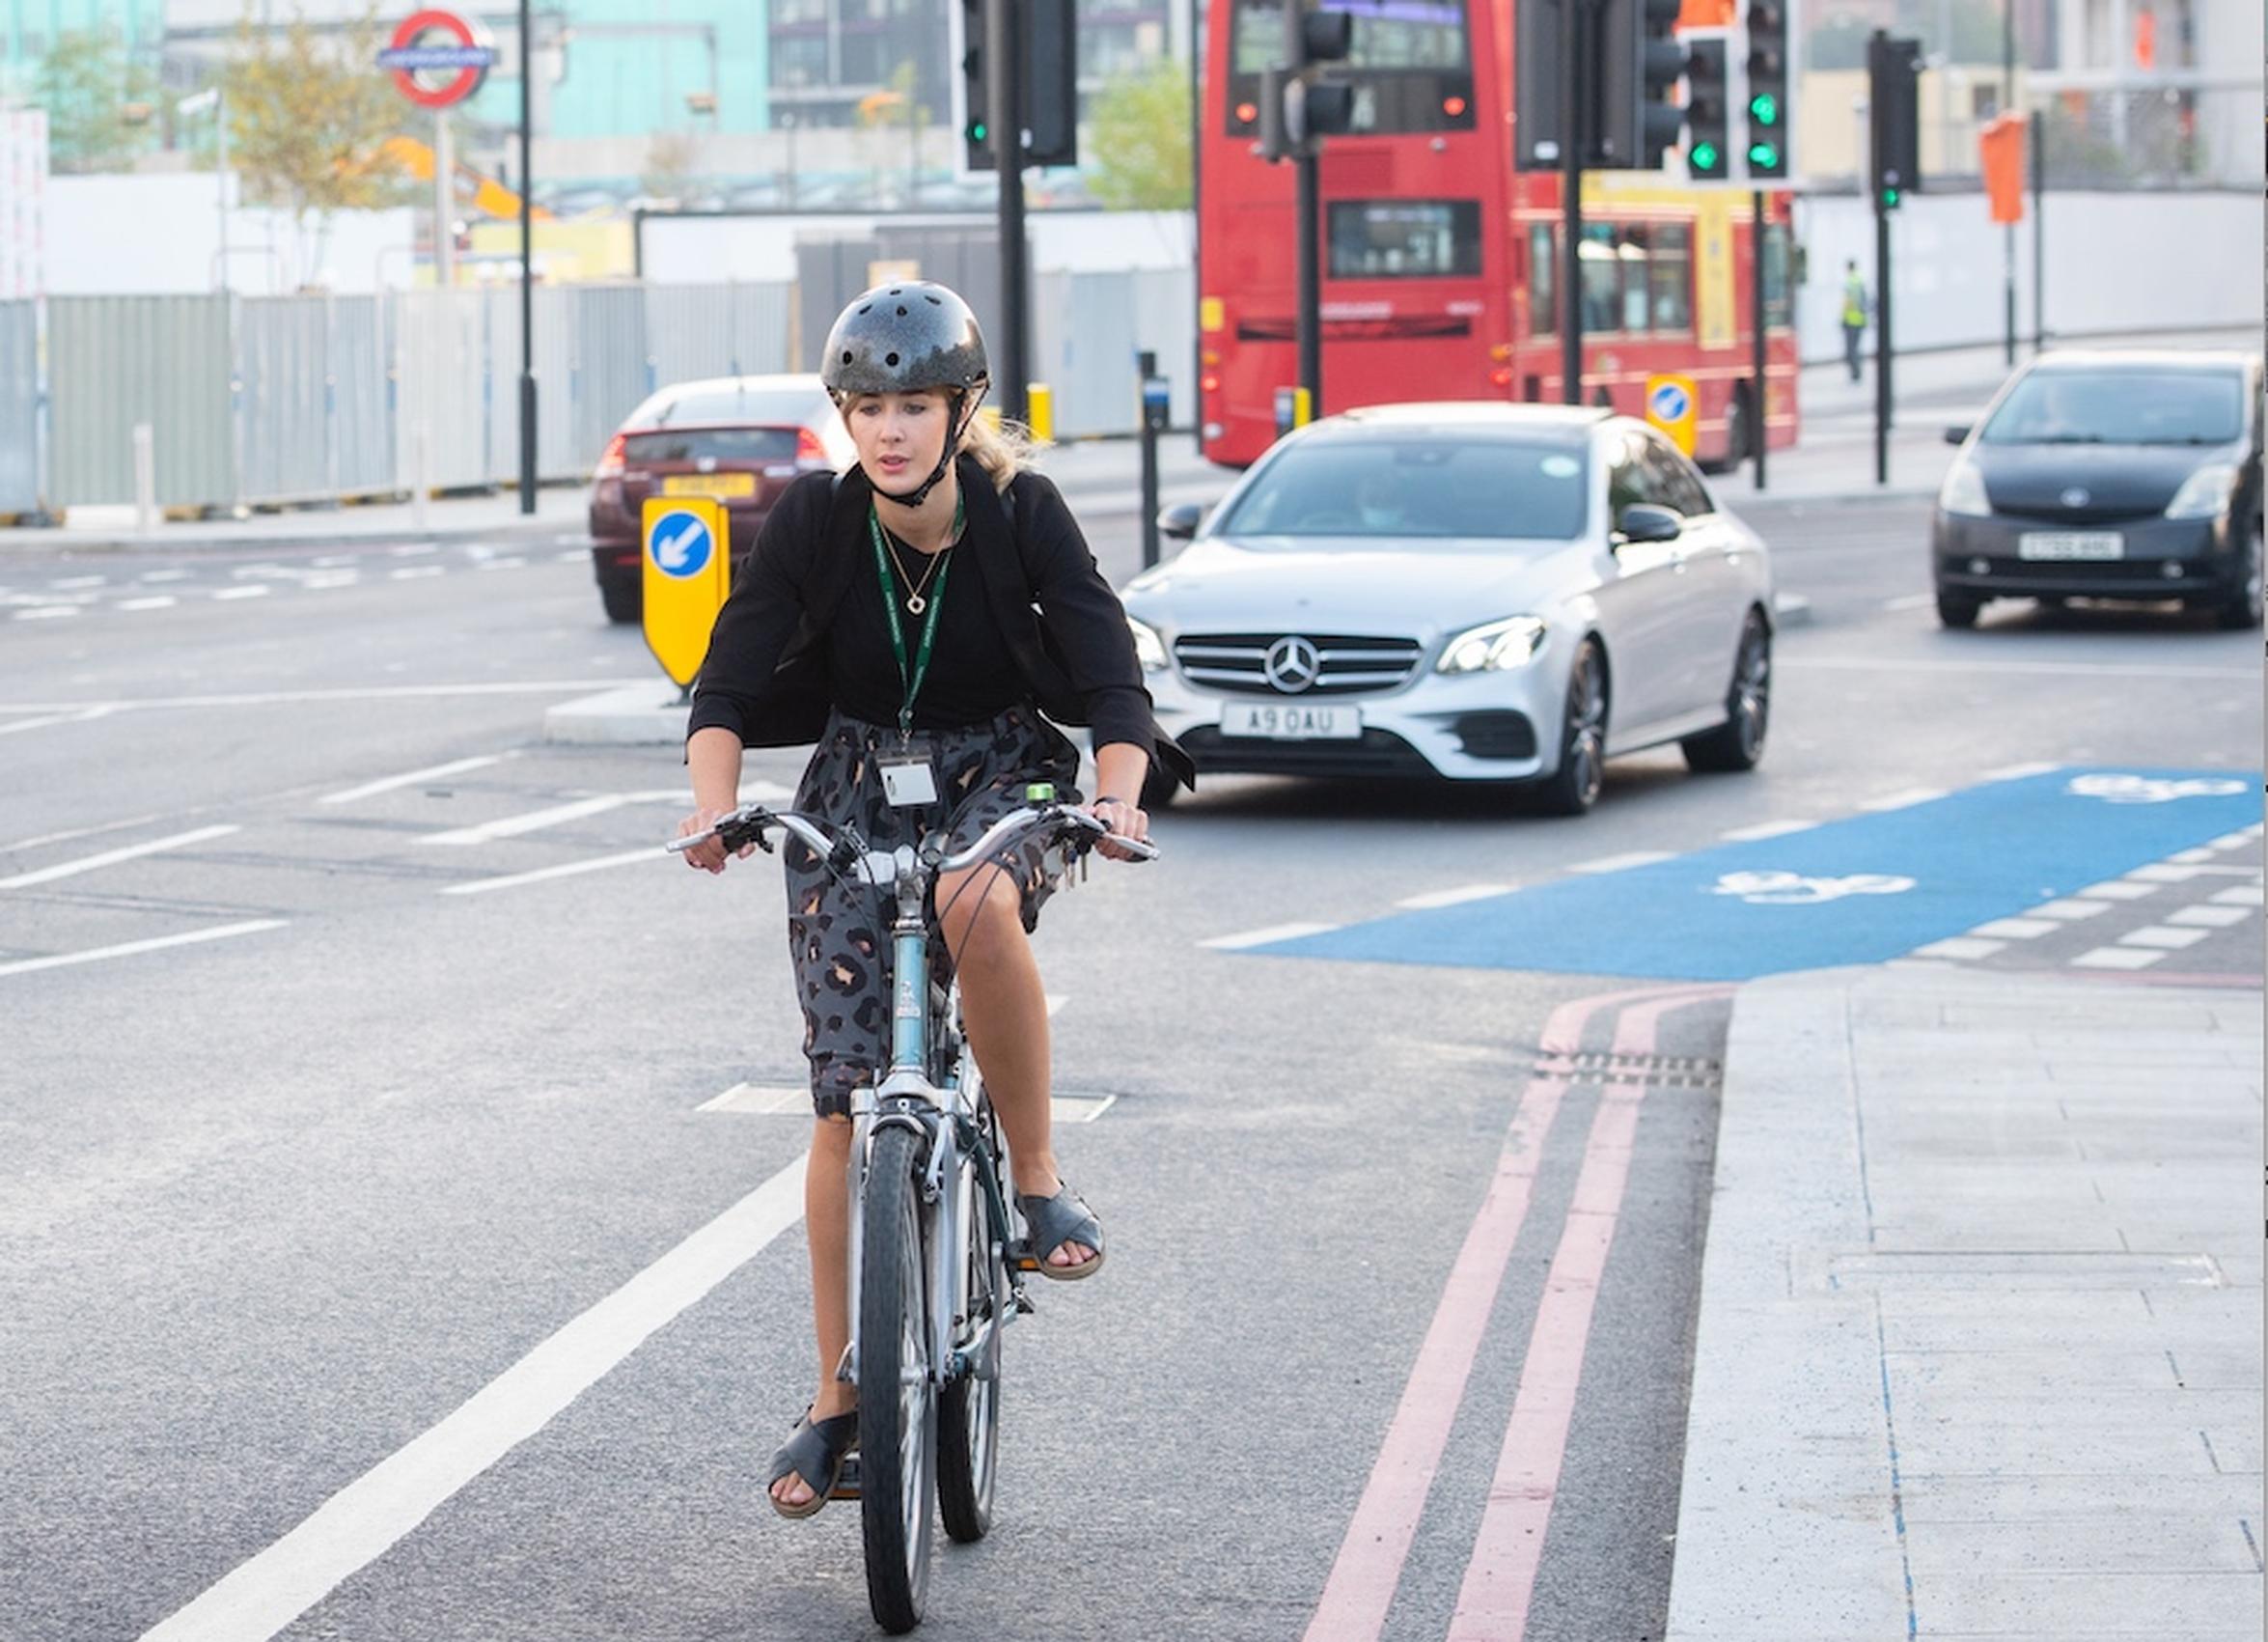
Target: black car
[{"x": 2132, "y": 476}]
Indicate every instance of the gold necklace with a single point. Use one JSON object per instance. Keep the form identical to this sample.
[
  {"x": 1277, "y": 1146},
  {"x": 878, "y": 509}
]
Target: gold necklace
[{"x": 915, "y": 603}]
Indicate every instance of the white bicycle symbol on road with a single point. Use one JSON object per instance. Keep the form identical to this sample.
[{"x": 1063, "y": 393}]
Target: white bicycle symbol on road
[
  {"x": 2151, "y": 789},
  {"x": 1794, "y": 889}
]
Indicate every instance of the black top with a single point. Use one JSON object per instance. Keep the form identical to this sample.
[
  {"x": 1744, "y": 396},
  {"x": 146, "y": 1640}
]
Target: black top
[
  {"x": 972, "y": 677},
  {"x": 1021, "y": 564}
]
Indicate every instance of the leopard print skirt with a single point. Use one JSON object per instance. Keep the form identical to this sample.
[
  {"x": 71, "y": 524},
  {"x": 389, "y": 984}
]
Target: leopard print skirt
[{"x": 839, "y": 935}]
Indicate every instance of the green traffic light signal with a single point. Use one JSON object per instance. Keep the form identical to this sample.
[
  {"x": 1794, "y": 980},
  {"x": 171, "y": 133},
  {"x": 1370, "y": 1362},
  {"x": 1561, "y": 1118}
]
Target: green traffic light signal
[
  {"x": 1889, "y": 199},
  {"x": 977, "y": 131},
  {"x": 1764, "y": 157},
  {"x": 1764, "y": 107},
  {"x": 1705, "y": 157}
]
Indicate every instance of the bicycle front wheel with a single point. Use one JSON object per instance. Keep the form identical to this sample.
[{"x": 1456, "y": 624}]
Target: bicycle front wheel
[
  {"x": 897, "y": 1405},
  {"x": 968, "y": 1414}
]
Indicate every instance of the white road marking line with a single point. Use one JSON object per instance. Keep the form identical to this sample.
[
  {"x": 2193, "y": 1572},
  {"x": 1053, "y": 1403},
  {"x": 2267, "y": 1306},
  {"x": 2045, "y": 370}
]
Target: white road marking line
[
  {"x": 417, "y": 572},
  {"x": 2233, "y": 841},
  {"x": 2056, "y": 669},
  {"x": 163, "y": 575},
  {"x": 414, "y": 550},
  {"x": 156, "y": 601},
  {"x": 331, "y": 560},
  {"x": 512, "y": 563},
  {"x": 2069, "y": 911},
  {"x": 109, "y": 857},
  {"x": 2115, "y": 958},
  {"x": 1080, "y": 1108},
  {"x": 2210, "y": 917},
  {"x": 1911, "y": 601},
  {"x": 1904, "y": 800},
  {"x": 2163, "y": 936},
  {"x": 1055, "y": 1004},
  {"x": 387, "y": 783},
  {"x": 1261, "y": 937},
  {"x": 569, "y": 868},
  {"x": 1457, "y": 897},
  {"x": 247, "y": 590},
  {"x": 45, "y": 612},
  {"x": 2017, "y": 928},
  {"x": 1766, "y": 830},
  {"x": 1959, "y": 946},
  {"x": 2242, "y": 894},
  {"x": 365, "y": 1518},
  {"x": 1622, "y": 863},
  {"x": 2191, "y": 856},
  {"x": 2017, "y": 771},
  {"x": 297, "y": 698},
  {"x": 533, "y": 820},
  {"x": 2118, "y": 889},
  {"x": 574, "y": 556},
  {"x": 767, "y": 1100},
  {"x": 219, "y": 931},
  {"x": 321, "y": 581},
  {"x": 60, "y": 582},
  {"x": 75, "y": 833},
  {"x": 42, "y": 723}
]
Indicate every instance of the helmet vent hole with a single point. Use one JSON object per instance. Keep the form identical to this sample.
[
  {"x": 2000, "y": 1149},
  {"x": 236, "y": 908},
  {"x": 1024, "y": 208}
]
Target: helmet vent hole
[
  {"x": 901, "y": 310},
  {"x": 846, "y": 356},
  {"x": 897, "y": 290},
  {"x": 867, "y": 309},
  {"x": 935, "y": 302},
  {"x": 890, "y": 359}
]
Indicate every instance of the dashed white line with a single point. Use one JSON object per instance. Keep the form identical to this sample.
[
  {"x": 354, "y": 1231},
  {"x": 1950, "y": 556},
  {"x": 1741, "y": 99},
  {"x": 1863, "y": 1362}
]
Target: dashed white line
[
  {"x": 1911, "y": 601},
  {"x": 1766, "y": 830},
  {"x": 512, "y": 563},
  {"x": 42, "y": 723},
  {"x": 2233, "y": 841},
  {"x": 163, "y": 575},
  {"x": 414, "y": 550},
  {"x": 1262, "y": 937},
  {"x": 332, "y": 561},
  {"x": 110, "y": 858},
  {"x": 249, "y": 590},
  {"x": 1960, "y": 946},
  {"x": 2115, "y": 958},
  {"x": 2241, "y": 895},
  {"x": 2118, "y": 889},
  {"x": 155, "y": 602},
  {"x": 1622, "y": 863},
  {"x": 2069, "y": 911},
  {"x": 533, "y": 820},
  {"x": 1055, "y": 1004},
  {"x": 574, "y": 556},
  {"x": 417, "y": 572},
  {"x": 569, "y": 869},
  {"x": 2017, "y": 928},
  {"x": 220, "y": 931},
  {"x": 321, "y": 581},
  {"x": 387, "y": 783},
  {"x": 2191, "y": 855},
  {"x": 46, "y": 612},
  {"x": 1457, "y": 897},
  {"x": 2017, "y": 771},
  {"x": 2210, "y": 917},
  {"x": 1904, "y": 800},
  {"x": 2163, "y": 936},
  {"x": 77, "y": 581}
]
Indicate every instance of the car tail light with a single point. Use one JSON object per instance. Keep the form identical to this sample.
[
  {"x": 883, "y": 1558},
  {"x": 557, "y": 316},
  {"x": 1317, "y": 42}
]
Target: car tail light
[
  {"x": 808, "y": 452},
  {"x": 1500, "y": 378},
  {"x": 610, "y": 461},
  {"x": 1211, "y": 384}
]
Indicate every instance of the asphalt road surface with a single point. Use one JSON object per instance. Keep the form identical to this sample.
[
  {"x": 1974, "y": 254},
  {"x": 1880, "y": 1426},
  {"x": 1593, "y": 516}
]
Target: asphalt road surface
[{"x": 380, "y": 1262}]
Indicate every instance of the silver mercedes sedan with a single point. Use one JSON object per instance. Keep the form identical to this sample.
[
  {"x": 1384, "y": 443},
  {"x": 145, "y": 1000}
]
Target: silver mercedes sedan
[{"x": 1477, "y": 593}]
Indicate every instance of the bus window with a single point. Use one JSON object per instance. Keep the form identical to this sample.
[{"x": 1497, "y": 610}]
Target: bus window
[
  {"x": 1404, "y": 238},
  {"x": 1668, "y": 277},
  {"x": 1410, "y": 62},
  {"x": 1543, "y": 280},
  {"x": 1777, "y": 314},
  {"x": 1602, "y": 279},
  {"x": 1636, "y": 278}
]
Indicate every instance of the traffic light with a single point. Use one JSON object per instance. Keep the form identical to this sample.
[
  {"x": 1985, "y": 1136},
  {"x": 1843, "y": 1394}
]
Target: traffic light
[
  {"x": 1049, "y": 34},
  {"x": 1707, "y": 118},
  {"x": 1640, "y": 63},
  {"x": 1767, "y": 88},
  {"x": 1893, "y": 92},
  {"x": 1297, "y": 105}
]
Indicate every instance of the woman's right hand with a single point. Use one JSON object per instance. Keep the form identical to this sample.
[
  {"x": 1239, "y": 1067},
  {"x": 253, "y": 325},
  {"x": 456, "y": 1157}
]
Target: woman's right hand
[{"x": 709, "y": 854}]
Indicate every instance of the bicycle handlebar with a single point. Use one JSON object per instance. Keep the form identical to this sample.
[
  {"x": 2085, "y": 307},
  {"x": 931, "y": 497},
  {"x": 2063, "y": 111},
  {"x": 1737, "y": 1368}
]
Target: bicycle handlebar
[{"x": 748, "y": 824}]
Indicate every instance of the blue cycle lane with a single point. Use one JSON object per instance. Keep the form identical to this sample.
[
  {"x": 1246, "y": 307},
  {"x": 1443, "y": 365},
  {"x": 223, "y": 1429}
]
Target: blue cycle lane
[{"x": 1862, "y": 890}]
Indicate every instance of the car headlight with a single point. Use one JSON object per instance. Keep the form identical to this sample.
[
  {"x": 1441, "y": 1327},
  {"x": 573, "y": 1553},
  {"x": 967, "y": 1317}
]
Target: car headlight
[
  {"x": 1963, "y": 490},
  {"x": 1494, "y": 646},
  {"x": 2204, "y": 493},
  {"x": 1148, "y": 648}
]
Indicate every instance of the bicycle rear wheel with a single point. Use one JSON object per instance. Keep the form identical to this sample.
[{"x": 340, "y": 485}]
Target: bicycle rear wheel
[
  {"x": 896, "y": 1408},
  {"x": 968, "y": 1412}
]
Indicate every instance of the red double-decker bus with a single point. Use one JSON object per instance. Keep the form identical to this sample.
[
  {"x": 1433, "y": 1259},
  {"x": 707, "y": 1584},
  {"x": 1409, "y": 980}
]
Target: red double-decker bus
[{"x": 1441, "y": 263}]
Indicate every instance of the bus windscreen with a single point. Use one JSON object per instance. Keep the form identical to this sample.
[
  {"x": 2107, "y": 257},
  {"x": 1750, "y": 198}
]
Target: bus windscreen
[{"x": 1410, "y": 62}]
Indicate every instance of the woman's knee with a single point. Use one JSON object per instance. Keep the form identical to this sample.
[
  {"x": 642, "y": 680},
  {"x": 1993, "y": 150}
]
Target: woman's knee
[
  {"x": 980, "y": 903},
  {"x": 830, "y": 1136}
]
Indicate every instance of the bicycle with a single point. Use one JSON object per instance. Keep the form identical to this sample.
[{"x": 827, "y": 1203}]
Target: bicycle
[{"x": 936, "y": 1272}]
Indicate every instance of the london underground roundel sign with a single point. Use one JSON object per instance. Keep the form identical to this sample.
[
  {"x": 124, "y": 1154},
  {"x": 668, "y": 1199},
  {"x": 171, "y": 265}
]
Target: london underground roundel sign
[{"x": 438, "y": 58}]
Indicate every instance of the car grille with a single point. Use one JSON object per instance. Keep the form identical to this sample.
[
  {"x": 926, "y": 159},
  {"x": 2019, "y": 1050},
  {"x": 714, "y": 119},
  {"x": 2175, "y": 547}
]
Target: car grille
[
  {"x": 1377, "y": 752},
  {"x": 2145, "y": 571},
  {"x": 1238, "y": 662}
]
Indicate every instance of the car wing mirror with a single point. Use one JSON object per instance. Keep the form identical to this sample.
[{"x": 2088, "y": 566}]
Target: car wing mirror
[
  {"x": 1957, "y": 434},
  {"x": 1180, "y": 522},
  {"x": 1643, "y": 522}
]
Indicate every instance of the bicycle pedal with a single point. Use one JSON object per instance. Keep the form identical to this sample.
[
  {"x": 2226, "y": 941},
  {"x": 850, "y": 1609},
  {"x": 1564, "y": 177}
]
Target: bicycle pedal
[{"x": 847, "y": 1483}]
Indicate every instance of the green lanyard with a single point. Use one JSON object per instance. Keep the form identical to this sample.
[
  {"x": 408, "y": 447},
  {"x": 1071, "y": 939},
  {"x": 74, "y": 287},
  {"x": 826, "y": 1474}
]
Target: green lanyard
[{"x": 911, "y": 681}]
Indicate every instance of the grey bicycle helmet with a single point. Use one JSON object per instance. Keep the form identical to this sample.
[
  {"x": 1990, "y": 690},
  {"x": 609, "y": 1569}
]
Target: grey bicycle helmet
[{"x": 906, "y": 337}]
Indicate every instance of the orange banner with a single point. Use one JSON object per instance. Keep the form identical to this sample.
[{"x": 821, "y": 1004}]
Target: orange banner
[{"x": 2002, "y": 144}]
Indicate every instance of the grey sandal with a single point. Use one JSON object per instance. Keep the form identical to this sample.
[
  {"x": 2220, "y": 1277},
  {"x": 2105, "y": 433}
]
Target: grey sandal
[
  {"x": 1052, "y": 1222},
  {"x": 814, "y": 1451}
]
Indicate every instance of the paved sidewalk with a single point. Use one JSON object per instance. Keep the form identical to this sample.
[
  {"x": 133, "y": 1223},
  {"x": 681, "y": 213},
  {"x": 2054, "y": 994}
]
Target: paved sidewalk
[{"x": 1979, "y": 1346}]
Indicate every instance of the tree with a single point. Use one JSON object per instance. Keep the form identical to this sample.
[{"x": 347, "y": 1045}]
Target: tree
[
  {"x": 1141, "y": 133},
  {"x": 670, "y": 158},
  {"x": 98, "y": 102},
  {"x": 307, "y": 116}
]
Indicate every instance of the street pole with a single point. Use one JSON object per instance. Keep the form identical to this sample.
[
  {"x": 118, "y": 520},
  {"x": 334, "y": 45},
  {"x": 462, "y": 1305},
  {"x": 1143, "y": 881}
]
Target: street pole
[
  {"x": 1145, "y": 369},
  {"x": 2039, "y": 236},
  {"x": 1306, "y": 208},
  {"x": 1877, "y": 141},
  {"x": 527, "y": 265},
  {"x": 220, "y": 115},
  {"x": 2009, "y": 105},
  {"x": 1763, "y": 400},
  {"x": 1197, "y": 217},
  {"x": 1004, "y": 98},
  {"x": 444, "y": 242},
  {"x": 1572, "y": 129}
]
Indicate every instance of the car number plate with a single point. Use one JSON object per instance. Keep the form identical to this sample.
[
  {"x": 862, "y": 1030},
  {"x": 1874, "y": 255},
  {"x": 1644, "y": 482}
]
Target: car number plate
[
  {"x": 2070, "y": 545},
  {"x": 1283, "y": 721},
  {"x": 708, "y": 485}
]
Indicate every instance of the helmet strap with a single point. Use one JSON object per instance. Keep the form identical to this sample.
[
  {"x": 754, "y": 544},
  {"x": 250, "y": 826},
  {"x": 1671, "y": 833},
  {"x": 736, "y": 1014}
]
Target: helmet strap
[{"x": 920, "y": 493}]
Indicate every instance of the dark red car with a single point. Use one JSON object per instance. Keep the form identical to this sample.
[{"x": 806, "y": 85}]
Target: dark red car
[{"x": 742, "y": 439}]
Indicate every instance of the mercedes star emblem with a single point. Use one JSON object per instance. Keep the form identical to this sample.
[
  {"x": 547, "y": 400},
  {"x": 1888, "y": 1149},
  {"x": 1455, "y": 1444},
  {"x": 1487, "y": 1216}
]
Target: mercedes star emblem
[
  {"x": 1292, "y": 665},
  {"x": 2076, "y": 496}
]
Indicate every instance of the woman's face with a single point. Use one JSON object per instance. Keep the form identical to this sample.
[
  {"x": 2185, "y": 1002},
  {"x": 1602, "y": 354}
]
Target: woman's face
[{"x": 899, "y": 437}]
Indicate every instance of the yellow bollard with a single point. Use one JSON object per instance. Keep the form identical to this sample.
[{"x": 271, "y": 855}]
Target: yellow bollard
[
  {"x": 989, "y": 415},
  {"x": 1040, "y": 397}
]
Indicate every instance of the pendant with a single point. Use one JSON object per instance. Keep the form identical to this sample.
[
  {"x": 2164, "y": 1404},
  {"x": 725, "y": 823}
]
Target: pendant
[{"x": 916, "y": 605}]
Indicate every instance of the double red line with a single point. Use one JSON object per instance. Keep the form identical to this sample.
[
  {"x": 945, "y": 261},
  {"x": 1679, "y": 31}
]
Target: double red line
[{"x": 1500, "y": 1579}]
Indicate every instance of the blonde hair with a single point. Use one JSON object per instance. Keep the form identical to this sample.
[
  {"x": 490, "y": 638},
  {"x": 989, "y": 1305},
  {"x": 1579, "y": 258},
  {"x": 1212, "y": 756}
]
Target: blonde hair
[{"x": 1003, "y": 451}]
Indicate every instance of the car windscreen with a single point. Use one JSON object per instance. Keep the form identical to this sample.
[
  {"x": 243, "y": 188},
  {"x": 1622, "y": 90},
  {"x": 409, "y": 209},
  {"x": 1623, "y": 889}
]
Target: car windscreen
[
  {"x": 1418, "y": 488},
  {"x": 734, "y": 445},
  {"x": 2120, "y": 407},
  {"x": 734, "y": 404}
]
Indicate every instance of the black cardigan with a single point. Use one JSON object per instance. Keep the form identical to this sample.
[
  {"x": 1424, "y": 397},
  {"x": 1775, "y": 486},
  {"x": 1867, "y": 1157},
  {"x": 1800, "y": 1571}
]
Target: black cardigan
[{"x": 764, "y": 677}]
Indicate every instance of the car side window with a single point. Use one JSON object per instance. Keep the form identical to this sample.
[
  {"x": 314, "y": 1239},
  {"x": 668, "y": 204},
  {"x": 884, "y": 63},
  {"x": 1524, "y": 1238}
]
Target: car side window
[
  {"x": 1631, "y": 477},
  {"x": 1676, "y": 482}
]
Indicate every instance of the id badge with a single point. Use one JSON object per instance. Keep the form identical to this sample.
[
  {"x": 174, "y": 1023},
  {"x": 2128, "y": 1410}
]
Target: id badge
[{"x": 909, "y": 780}]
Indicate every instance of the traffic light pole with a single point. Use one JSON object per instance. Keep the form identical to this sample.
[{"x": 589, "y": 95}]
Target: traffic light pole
[
  {"x": 1003, "y": 99},
  {"x": 1306, "y": 206},
  {"x": 1763, "y": 400},
  {"x": 526, "y": 269},
  {"x": 1574, "y": 129},
  {"x": 1882, "y": 345}
]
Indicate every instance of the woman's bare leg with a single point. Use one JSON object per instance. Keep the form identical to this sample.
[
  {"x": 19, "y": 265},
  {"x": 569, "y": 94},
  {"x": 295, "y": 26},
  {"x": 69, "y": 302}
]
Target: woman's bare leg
[{"x": 826, "y": 1219}]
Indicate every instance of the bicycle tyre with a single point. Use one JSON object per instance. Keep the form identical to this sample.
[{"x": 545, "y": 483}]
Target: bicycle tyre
[
  {"x": 896, "y": 1407},
  {"x": 968, "y": 1412}
]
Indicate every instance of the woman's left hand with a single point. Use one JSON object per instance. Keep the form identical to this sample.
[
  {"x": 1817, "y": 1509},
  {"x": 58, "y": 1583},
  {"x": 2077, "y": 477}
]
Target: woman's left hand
[{"x": 1123, "y": 817}]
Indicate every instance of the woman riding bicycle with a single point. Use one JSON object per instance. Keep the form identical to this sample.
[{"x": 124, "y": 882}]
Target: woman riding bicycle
[{"x": 914, "y": 617}]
